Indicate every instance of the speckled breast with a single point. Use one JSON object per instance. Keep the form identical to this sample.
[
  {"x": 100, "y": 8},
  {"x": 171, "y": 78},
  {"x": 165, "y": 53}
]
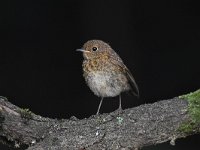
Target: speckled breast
[{"x": 104, "y": 78}]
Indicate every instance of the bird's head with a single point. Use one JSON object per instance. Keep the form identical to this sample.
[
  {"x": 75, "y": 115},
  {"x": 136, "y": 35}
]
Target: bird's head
[{"x": 95, "y": 48}]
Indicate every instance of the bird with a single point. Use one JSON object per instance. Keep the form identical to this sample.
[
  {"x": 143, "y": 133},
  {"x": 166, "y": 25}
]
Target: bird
[{"x": 105, "y": 73}]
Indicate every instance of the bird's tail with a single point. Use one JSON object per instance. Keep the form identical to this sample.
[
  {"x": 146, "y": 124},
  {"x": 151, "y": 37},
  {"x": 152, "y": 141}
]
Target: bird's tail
[{"x": 134, "y": 88}]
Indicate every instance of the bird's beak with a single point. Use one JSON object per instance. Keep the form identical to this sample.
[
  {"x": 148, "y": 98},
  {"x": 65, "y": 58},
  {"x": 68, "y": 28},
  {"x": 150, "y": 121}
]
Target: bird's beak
[{"x": 82, "y": 50}]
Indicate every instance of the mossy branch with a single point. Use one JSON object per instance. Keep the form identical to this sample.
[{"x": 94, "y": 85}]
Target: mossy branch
[
  {"x": 133, "y": 128},
  {"x": 193, "y": 111}
]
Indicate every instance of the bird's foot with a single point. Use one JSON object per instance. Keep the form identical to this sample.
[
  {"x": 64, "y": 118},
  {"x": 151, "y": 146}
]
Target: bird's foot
[{"x": 119, "y": 110}]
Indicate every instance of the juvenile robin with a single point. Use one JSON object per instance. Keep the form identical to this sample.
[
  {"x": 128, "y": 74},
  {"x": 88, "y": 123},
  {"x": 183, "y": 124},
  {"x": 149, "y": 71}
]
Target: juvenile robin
[{"x": 105, "y": 73}]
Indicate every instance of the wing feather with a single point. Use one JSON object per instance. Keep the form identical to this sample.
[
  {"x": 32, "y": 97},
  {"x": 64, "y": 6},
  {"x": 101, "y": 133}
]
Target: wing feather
[
  {"x": 134, "y": 86},
  {"x": 116, "y": 60}
]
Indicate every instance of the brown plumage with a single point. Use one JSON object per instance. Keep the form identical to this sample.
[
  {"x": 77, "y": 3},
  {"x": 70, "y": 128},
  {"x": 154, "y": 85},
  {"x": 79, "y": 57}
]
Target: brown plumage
[{"x": 104, "y": 71}]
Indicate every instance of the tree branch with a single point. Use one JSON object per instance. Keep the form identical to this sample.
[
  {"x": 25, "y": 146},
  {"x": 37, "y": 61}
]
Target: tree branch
[{"x": 133, "y": 128}]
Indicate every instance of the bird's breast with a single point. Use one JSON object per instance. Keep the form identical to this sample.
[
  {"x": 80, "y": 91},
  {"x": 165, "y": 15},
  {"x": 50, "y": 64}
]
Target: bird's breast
[
  {"x": 103, "y": 79},
  {"x": 101, "y": 84}
]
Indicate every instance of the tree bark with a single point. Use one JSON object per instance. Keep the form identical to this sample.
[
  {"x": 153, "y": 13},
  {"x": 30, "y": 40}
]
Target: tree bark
[{"x": 133, "y": 128}]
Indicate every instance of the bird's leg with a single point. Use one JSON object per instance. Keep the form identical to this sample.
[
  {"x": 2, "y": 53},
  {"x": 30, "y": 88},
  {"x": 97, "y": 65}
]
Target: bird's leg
[
  {"x": 99, "y": 106},
  {"x": 120, "y": 103}
]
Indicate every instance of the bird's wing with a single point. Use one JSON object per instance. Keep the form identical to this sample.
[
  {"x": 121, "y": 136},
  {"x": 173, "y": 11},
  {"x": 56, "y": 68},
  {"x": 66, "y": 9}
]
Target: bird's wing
[
  {"x": 134, "y": 87},
  {"x": 116, "y": 60}
]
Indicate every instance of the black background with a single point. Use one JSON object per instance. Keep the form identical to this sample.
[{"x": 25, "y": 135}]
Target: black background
[{"x": 40, "y": 69}]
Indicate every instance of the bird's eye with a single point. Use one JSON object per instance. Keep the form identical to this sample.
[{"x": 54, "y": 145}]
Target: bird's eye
[{"x": 94, "y": 48}]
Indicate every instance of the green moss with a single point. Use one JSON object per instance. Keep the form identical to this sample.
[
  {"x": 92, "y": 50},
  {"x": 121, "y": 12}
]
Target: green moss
[
  {"x": 187, "y": 127},
  {"x": 26, "y": 114},
  {"x": 193, "y": 110},
  {"x": 194, "y": 105}
]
